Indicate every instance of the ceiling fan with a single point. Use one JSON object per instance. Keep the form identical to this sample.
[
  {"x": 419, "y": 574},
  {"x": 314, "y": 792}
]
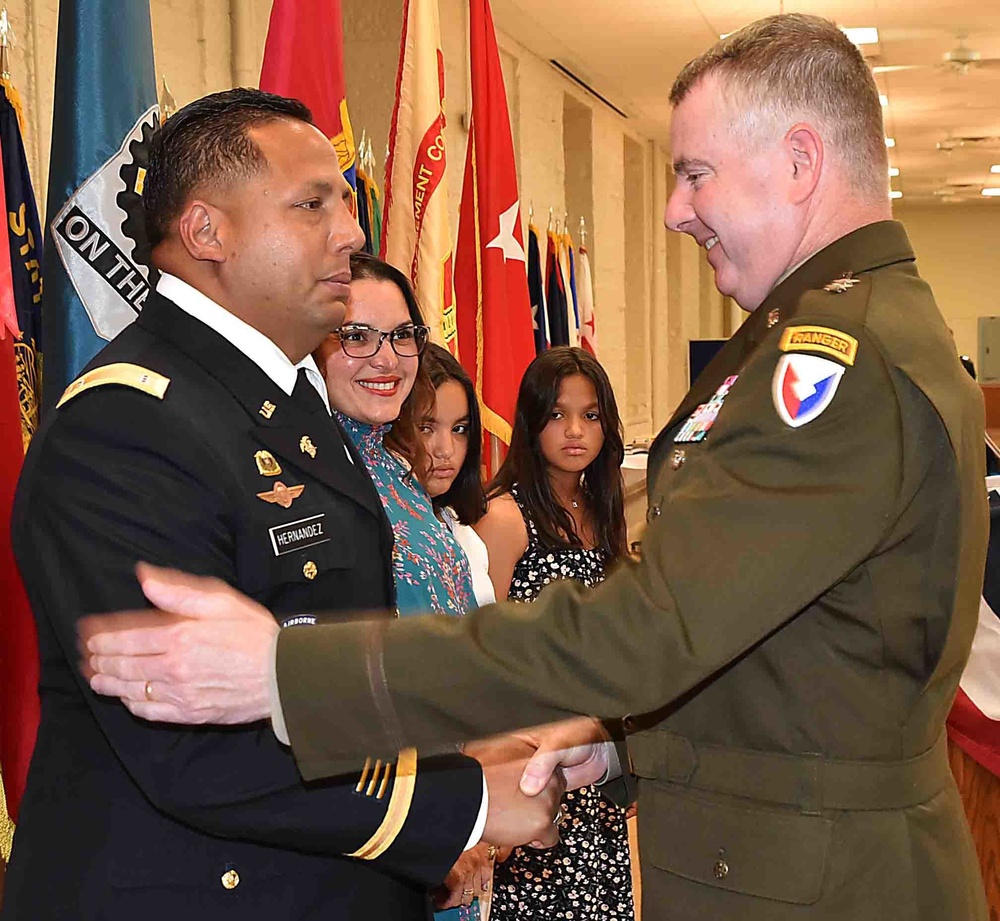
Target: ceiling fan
[{"x": 960, "y": 60}]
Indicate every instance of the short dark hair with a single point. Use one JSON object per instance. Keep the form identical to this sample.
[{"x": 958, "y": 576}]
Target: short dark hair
[
  {"x": 207, "y": 142},
  {"x": 403, "y": 439},
  {"x": 465, "y": 496},
  {"x": 525, "y": 465},
  {"x": 794, "y": 65}
]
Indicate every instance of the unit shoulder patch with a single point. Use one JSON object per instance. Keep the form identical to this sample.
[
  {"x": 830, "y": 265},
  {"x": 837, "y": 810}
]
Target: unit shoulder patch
[
  {"x": 821, "y": 339},
  {"x": 121, "y": 373},
  {"x": 803, "y": 386}
]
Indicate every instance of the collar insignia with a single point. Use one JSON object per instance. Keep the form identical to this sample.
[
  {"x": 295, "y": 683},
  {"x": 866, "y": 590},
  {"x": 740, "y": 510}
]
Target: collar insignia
[
  {"x": 773, "y": 317},
  {"x": 840, "y": 285}
]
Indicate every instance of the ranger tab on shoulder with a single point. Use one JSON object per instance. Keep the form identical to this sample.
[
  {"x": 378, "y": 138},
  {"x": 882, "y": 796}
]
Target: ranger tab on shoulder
[
  {"x": 121, "y": 373},
  {"x": 821, "y": 339}
]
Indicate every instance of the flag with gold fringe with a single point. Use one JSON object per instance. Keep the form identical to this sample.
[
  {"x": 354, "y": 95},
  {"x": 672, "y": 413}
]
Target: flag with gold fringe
[
  {"x": 416, "y": 237},
  {"x": 20, "y": 392},
  {"x": 495, "y": 337},
  {"x": 304, "y": 59}
]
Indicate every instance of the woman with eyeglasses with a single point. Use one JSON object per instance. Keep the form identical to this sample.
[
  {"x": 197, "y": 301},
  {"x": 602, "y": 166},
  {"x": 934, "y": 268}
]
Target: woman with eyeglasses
[
  {"x": 372, "y": 365},
  {"x": 378, "y": 391}
]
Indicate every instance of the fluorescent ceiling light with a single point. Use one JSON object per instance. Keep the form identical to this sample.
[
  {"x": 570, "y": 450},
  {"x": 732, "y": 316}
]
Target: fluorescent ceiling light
[
  {"x": 893, "y": 171},
  {"x": 995, "y": 168},
  {"x": 883, "y": 100},
  {"x": 895, "y": 193},
  {"x": 991, "y": 193},
  {"x": 890, "y": 142},
  {"x": 866, "y": 35}
]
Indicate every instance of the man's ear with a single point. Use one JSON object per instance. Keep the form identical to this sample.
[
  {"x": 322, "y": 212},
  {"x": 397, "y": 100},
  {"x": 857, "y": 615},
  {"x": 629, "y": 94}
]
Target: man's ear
[
  {"x": 201, "y": 231},
  {"x": 804, "y": 150}
]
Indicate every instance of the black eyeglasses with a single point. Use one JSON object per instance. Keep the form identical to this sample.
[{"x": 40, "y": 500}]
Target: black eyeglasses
[{"x": 359, "y": 341}]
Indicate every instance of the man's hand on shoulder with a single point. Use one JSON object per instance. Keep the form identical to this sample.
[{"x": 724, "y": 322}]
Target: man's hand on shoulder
[{"x": 204, "y": 656}]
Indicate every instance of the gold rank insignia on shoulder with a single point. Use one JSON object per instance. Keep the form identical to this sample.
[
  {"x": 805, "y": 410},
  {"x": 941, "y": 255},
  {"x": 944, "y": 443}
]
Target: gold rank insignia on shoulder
[
  {"x": 281, "y": 494},
  {"x": 306, "y": 446},
  {"x": 841, "y": 285},
  {"x": 266, "y": 464},
  {"x": 820, "y": 339},
  {"x": 121, "y": 373},
  {"x": 267, "y": 409}
]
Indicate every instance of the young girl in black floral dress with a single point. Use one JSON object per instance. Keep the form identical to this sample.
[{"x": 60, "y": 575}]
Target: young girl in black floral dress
[{"x": 557, "y": 512}]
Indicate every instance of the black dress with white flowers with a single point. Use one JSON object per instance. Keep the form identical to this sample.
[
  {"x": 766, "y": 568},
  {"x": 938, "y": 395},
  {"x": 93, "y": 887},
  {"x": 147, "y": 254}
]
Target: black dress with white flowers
[{"x": 588, "y": 875}]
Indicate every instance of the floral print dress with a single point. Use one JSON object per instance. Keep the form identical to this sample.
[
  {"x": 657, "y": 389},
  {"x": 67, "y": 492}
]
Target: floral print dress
[
  {"x": 588, "y": 875},
  {"x": 429, "y": 566}
]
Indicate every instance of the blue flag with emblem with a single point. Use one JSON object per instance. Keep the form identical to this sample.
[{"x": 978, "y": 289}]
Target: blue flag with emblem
[{"x": 98, "y": 273}]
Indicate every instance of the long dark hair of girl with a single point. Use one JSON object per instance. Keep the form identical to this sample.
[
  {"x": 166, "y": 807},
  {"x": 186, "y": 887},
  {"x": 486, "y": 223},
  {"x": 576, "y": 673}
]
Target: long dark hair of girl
[
  {"x": 465, "y": 496},
  {"x": 403, "y": 439},
  {"x": 526, "y": 466}
]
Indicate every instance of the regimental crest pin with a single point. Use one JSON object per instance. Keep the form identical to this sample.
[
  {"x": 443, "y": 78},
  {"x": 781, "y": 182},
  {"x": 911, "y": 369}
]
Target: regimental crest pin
[
  {"x": 306, "y": 446},
  {"x": 281, "y": 494},
  {"x": 803, "y": 386},
  {"x": 266, "y": 464},
  {"x": 841, "y": 285}
]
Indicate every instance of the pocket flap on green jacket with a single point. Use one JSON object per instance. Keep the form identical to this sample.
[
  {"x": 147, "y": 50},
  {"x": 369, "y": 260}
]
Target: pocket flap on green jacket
[{"x": 721, "y": 841}]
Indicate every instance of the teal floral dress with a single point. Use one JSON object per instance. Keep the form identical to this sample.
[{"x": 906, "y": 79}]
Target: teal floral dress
[{"x": 429, "y": 566}]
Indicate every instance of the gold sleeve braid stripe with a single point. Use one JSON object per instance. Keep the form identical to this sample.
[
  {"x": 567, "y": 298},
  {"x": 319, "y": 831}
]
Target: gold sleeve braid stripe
[
  {"x": 121, "y": 373},
  {"x": 398, "y": 809}
]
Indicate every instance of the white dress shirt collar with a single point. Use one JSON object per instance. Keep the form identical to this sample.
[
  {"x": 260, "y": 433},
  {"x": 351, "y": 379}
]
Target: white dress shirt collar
[{"x": 251, "y": 342}]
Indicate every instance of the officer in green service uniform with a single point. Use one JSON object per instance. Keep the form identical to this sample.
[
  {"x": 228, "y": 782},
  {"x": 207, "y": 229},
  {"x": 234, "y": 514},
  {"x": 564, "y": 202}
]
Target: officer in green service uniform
[{"x": 795, "y": 632}]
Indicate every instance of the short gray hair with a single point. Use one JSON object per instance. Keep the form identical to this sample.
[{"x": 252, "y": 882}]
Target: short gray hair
[{"x": 793, "y": 67}]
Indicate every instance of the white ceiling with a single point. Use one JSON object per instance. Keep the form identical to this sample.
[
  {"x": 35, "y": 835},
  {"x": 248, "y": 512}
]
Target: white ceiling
[{"x": 630, "y": 50}]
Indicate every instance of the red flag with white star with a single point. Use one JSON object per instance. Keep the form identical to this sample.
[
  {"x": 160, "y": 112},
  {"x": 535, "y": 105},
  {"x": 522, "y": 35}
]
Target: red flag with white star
[{"x": 495, "y": 338}]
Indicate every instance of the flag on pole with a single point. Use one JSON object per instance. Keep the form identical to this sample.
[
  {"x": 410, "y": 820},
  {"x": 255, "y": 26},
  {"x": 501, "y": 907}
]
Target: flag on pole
[
  {"x": 585, "y": 300},
  {"x": 974, "y": 721},
  {"x": 555, "y": 295},
  {"x": 20, "y": 338},
  {"x": 369, "y": 207},
  {"x": 304, "y": 59},
  {"x": 565, "y": 249},
  {"x": 536, "y": 291},
  {"x": 495, "y": 338},
  {"x": 98, "y": 273},
  {"x": 416, "y": 237}
]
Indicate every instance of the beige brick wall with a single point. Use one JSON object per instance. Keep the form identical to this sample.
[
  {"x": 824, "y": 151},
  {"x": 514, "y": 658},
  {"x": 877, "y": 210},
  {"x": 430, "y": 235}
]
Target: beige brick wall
[{"x": 643, "y": 319}]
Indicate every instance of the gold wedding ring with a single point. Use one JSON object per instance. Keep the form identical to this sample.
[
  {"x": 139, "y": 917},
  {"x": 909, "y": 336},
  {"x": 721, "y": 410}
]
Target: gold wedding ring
[
  {"x": 560, "y": 817},
  {"x": 149, "y": 690},
  {"x": 491, "y": 852},
  {"x": 468, "y": 891}
]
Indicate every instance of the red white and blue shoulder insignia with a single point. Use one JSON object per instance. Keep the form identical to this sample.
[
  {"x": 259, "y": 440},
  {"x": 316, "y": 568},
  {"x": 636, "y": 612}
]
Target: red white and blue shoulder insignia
[{"x": 803, "y": 386}]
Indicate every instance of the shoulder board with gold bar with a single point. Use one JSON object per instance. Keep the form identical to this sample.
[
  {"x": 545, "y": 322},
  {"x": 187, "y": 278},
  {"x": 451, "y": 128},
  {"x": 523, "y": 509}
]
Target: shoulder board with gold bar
[{"x": 122, "y": 374}]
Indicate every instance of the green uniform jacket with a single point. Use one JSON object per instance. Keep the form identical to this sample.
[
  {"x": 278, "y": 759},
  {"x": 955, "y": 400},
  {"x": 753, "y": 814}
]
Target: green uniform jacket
[{"x": 793, "y": 636}]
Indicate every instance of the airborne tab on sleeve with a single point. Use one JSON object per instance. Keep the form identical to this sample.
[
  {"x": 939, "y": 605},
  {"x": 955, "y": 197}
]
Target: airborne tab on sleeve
[
  {"x": 121, "y": 373},
  {"x": 820, "y": 339}
]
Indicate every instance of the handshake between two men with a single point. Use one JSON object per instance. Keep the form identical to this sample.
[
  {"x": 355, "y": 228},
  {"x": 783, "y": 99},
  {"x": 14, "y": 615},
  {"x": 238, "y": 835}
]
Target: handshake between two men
[{"x": 207, "y": 656}]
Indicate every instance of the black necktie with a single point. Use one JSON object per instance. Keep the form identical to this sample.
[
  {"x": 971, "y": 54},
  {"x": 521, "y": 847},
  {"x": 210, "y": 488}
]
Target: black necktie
[{"x": 306, "y": 395}]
